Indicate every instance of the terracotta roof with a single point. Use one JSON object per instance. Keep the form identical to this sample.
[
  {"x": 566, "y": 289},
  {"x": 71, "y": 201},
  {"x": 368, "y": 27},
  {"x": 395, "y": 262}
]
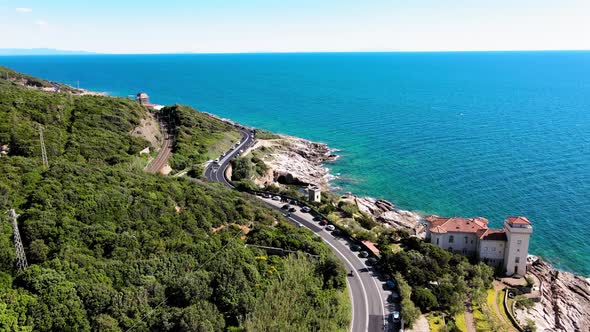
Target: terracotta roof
[
  {"x": 371, "y": 247},
  {"x": 457, "y": 224},
  {"x": 493, "y": 235},
  {"x": 519, "y": 220}
]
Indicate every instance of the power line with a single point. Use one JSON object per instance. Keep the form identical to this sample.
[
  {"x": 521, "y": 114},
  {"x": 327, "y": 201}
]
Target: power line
[
  {"x": 21, "y": 258},
  {"x": 198, "y": 268},
  {"x": 43, "y": 151}
]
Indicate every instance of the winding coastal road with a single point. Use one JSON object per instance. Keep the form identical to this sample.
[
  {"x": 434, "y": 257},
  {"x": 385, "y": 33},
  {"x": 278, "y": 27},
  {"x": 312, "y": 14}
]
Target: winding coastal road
[{"x": 370, "y": 308}]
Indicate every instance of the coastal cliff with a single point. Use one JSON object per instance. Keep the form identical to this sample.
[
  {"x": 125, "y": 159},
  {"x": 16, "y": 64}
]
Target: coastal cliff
[
  {"x": 292, "y": 160},
  {"x": 565, "y": 300}
]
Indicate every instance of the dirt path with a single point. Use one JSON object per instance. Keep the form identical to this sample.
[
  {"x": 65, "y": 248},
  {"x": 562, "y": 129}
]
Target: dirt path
[
  {"x": 420, "y": 325},
  {"x": 497, "y": 288},
  {"x": 469, "y": 321}
]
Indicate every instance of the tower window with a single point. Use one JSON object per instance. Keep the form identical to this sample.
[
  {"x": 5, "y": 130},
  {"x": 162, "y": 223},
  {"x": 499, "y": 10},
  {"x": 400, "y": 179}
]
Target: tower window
[
  {"x": 451, "y": 239},
  {"x": 517, "y": 260},
  {"x": 466, "y": 241},
  {"x": 519, "y": 242},
  {"x": 437, "y": 240}
]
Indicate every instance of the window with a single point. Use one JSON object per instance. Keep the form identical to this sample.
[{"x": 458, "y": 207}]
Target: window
[
  {"x": 451, "y": 239},
  {"x": 493, "y": 248},
  {"x": 499, "y": 251},
  {"x": 466, "y": 241},
  {"x": 517, "y": 260},
  {"x": 451, "y": 249},
  {"x": 471, "y": 241},
  {"x": 517, "y": 250},
  {"x": 519, "y": 242},
  {"x": 437, "y": 240}
]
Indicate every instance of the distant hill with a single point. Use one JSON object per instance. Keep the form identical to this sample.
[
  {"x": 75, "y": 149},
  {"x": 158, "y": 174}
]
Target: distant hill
[{"x": 40, "y": 51}]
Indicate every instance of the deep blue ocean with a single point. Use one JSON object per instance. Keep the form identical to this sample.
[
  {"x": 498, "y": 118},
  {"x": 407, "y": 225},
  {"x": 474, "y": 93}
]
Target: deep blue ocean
[{"x": 487, "y": 134}]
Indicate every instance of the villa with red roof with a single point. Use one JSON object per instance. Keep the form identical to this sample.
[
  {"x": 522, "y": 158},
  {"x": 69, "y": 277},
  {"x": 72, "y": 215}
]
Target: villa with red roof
[{"x": 505, "y": 248}]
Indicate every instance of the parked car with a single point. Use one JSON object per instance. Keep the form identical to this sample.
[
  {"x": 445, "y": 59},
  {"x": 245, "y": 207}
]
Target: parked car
[
  {"x": 330, "y": 228},
  {"x": 305, "y": 209},
  {"x": 265, "y": 195},
  {"x": 364, "y": 254},
  {"x": 276, "y": 198},
  {"x": 355, "y": 247},
  {"x": 395, "y": 316},
  {"x": 286, "y": 207},
  {"x": 292, "y": 209},
  {"x": 323, "y": 222},
  {"x": 371, "y": 261},
  {"x": 317, "y": 218}
]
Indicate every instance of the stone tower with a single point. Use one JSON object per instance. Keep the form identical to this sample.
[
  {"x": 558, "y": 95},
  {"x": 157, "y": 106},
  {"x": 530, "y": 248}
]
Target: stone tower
[{"x": 518, "y": 233}]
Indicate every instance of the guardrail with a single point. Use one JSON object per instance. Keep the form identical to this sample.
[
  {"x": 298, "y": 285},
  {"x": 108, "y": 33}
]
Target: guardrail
[{"x": 509, "y": 312}]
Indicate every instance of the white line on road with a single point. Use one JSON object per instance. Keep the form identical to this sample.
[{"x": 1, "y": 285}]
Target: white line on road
[{"x": 360, "y": 281}]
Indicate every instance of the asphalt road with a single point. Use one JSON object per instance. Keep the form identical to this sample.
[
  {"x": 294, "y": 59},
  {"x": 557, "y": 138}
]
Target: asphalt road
[{"x": 370, "y": 308}]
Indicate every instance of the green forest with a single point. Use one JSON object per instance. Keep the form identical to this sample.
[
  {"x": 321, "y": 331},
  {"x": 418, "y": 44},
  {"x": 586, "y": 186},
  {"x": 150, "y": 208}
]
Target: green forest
[{"x": 112, "y": 248}]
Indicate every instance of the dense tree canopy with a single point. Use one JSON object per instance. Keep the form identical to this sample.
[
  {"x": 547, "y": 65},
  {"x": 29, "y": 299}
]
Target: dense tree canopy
[{"x": 111, "y": 247}]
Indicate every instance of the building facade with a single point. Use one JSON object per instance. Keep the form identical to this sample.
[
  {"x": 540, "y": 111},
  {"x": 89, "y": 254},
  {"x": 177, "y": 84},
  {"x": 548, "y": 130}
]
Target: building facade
[
  {"x": 505, "y": 248},
  {"x": 314, "y": 194}
]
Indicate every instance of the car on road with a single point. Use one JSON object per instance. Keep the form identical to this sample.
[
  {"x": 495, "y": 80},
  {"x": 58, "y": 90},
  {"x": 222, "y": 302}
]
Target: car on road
[
  {"x": 371, "y": 261},
  {"x": 323, "y": 222},
  {"x": 305, "y": 209},
  {"x": 265, "y": 195},
  {"x": 276, "y": 198},
  {"x": 355, "y": 247},
  {"x": 330, "y": 228},
  {"x": 317, "y": 218},
  {"x": 241, "y": 151},
  {"x": 390, "y": 284},
  {"x": 286, "y": 207},
  {"x": 292, "y": 209},
  {"x": 287, "y": 215},
  {"x": 364, "y": 254},
  {"x": 395, "y": 316}
]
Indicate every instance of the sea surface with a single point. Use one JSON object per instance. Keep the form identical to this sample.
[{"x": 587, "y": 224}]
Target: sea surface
[{"x": 487, "y": 134}]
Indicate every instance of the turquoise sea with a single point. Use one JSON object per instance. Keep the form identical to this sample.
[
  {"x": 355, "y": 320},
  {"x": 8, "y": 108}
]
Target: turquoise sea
[{"x": 486, "y": 134}]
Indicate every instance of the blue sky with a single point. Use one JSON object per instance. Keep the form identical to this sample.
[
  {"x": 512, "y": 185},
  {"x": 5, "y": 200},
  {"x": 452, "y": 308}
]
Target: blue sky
[{"x": 131, "y": 26}]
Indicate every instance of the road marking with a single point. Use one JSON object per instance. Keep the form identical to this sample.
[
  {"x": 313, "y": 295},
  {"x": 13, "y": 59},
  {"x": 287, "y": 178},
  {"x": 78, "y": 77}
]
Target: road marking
[{"x": 354, "y": 272}]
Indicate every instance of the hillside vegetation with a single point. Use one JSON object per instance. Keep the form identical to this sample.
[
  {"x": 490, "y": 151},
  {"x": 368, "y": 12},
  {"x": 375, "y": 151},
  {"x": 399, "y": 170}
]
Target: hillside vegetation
[{"x": 111, "y": 248}]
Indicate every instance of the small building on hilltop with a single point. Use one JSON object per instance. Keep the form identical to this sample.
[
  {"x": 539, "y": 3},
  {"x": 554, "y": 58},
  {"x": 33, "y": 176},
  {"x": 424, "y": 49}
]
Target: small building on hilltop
[
  {"x": 505, "y": 248},
  {"x": 143, "y": 98}
]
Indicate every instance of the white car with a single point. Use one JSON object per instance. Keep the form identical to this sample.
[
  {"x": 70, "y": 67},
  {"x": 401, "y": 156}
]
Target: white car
[
  {"x": 276, "y": 198},
  {"x": 330, "y": 228}
]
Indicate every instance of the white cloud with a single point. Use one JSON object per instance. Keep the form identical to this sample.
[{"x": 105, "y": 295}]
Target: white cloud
[
  {"x": 24, "y": 10},
  {"x": 41, "y": 23}
]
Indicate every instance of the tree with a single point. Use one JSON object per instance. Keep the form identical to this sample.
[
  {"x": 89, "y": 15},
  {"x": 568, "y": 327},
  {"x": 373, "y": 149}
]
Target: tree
[{"x": 424, "y": 299}]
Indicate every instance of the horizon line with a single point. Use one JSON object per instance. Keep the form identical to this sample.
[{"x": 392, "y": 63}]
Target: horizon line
[{"x": 92, "y": 53}]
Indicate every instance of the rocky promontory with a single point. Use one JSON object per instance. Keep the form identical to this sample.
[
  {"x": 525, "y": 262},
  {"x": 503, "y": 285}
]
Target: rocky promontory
[
  {"x": 387, "y": 213},
  {"x": 293, "y": 160},
  {"x": 564, "y": 300}
]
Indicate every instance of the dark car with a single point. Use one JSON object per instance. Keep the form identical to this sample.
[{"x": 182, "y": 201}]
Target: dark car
[
  {"x": 286, "y": 207},
  {"x": 371, "y": 261},
  {"x": 355, "y": 247},
  {"x": 323, "y": 222},
  {"x": 317, "y": 218},
  {"x": 292, "y": 209},
  {"x": 363, "y": 254}
]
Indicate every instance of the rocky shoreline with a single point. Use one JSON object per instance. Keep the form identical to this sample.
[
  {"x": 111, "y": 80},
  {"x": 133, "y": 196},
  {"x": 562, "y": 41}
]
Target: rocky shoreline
[{"x": 565, "y": 298}]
